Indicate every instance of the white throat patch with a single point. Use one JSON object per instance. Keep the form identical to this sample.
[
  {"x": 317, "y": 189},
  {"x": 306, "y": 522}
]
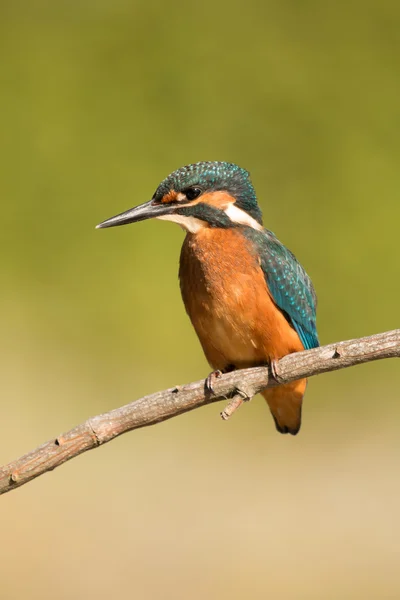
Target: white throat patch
[{"x": 190, "y": 224}]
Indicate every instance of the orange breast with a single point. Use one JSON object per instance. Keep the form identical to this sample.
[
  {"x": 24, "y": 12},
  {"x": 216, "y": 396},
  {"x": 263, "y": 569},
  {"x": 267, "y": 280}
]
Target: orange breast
[{"x": 228, "y": 301}]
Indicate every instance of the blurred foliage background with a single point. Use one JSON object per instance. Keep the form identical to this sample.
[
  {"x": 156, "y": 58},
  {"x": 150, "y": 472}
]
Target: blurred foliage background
[{"x": 99, "y": 101}]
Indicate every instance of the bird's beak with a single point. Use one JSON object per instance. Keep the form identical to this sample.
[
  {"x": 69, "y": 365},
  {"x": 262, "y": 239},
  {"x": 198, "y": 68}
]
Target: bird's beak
[{"x": 148, "y": 210}]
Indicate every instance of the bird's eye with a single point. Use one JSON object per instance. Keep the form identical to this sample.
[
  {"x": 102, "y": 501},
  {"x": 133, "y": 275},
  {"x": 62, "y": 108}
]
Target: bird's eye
[{"x": 192, "y": 193}]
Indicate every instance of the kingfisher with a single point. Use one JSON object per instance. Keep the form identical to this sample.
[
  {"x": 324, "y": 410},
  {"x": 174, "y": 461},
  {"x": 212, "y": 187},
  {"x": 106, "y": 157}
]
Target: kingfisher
[{"x": 248, "y": 298}]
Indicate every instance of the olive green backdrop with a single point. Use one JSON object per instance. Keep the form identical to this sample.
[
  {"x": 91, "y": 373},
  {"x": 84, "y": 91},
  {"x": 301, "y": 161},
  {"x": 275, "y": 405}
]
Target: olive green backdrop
[{"x": 99, "y": 101}]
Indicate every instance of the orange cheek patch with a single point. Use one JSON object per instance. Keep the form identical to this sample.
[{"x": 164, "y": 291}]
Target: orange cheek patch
[
  {"x": 219, "y": 199},
  {"x": 170, "y": 197}
]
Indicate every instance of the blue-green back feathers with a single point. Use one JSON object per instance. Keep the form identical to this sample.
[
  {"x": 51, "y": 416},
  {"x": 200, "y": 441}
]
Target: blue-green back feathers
[{"x": 290, "y": 286}]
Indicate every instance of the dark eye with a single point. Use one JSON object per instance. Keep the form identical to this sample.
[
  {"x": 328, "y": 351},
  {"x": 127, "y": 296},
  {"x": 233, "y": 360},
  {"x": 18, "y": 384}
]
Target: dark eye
[{"x": 192, "y": 193}]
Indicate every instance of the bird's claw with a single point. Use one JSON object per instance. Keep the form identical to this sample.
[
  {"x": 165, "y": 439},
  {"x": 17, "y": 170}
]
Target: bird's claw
[
  {"x": 275, "y": 371},
  {"x": 209, "y": 381}
]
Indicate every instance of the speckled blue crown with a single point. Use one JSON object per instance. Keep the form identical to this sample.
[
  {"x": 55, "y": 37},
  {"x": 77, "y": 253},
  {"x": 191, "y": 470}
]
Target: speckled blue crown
[{"x": 214, "y": 176}]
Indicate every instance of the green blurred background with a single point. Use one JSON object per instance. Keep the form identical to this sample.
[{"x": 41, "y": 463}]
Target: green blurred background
[{"x": 99, "y": 101}]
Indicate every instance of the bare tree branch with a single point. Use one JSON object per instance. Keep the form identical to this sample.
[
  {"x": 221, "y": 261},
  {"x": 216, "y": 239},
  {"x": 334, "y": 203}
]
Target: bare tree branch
[{"x": 238, "y": 385}]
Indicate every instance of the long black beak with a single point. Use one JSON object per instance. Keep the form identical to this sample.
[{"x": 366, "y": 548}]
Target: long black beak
[{"x": 148, "y": 210}]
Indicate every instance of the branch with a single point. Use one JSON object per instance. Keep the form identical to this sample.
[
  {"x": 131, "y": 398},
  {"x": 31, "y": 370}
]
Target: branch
[{"x": 238, "y": 385}]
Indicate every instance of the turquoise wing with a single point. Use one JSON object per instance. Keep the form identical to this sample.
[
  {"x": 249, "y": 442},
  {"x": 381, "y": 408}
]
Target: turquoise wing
[{"x": 289, "y": 284}]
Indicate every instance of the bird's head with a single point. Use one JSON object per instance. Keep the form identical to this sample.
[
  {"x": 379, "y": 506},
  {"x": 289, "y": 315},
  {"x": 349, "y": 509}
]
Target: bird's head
[{"x": 204, "y": 194}]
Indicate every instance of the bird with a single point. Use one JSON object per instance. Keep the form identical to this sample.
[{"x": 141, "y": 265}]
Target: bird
[{"x": 249, "y": 299}]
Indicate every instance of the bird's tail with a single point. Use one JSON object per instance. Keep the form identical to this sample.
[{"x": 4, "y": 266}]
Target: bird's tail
[{"x": 285, "y": 403}]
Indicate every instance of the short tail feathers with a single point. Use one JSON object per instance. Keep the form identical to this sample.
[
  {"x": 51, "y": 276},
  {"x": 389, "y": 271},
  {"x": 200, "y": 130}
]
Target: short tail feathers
[{"x": 285, "y": 403}]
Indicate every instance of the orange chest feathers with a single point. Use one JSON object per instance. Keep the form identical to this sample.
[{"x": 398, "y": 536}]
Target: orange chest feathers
[{"x": 228, "y": 301}]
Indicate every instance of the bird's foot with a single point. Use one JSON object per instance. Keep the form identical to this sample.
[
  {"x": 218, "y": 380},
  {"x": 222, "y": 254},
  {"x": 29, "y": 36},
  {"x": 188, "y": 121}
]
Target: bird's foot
[
  {"x": 210, "y": 380},
  {"x": 274, "y": 366}
]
